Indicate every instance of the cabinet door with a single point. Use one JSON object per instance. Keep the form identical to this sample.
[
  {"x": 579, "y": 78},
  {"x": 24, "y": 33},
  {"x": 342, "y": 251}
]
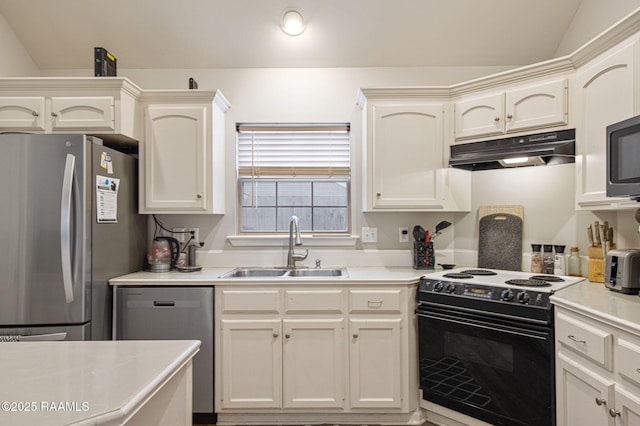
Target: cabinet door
[
  {"x": 175, "y": 161},
  {"x": 22, "y": 114},
  {"x": 536, "y": 106},
  {"x": 82, "y": 113},
  {"x": 251, "y": 362},
  {"x": 582, "y": 397},
  {"x": 375, "y": 363},
  {"x": 314, "y": 363},
  {"x": 407, "y": 152},
  {"x": 480, "y": 116},
  {"x": 627, "y": 408},
  {"x": 607, "y": 93}
]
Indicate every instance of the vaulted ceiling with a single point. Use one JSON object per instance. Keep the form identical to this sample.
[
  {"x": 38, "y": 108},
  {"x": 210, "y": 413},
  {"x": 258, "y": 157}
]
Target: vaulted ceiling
[{"x": 61, "y": 34}]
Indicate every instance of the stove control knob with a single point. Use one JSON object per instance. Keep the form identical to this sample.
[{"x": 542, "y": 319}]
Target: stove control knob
[
  {"x": 438, "y": 286},
  {"x": 451, "y": 288},
  {"x": 523, "y": 297},
  {"x": 506, "y": 295}
]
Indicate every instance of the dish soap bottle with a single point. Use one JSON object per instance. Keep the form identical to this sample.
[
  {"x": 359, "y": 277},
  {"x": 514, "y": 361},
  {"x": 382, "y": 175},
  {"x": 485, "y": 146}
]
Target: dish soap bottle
[{"x": 574, "y": 262}]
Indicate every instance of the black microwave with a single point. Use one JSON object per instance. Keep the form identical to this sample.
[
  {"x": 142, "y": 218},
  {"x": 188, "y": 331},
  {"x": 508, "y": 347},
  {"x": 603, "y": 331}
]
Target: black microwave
[{"x": 623, "y": 159}]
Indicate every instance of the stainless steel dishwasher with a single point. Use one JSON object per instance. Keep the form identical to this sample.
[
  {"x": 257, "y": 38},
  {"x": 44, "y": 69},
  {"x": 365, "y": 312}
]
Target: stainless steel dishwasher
[{"x": 172, "y": 313}]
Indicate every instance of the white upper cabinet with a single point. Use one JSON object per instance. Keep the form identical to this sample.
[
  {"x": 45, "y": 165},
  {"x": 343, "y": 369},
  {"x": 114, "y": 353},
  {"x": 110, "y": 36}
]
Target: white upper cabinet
[
  {"x": 607, "y": 92},
  {"x": 105, "y": 107},
  {"x": 182, "y": 157},
  {"x": 528, "y": 106},
  {"x": 404, "y": 155}
]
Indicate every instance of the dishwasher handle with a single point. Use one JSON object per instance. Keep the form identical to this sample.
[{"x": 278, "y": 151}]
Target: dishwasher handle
[{"x": 164, "y": 303}]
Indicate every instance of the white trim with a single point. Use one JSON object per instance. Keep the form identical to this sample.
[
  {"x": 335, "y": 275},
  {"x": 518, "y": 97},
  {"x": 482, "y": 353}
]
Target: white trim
[{"x": 313, "y": 240}]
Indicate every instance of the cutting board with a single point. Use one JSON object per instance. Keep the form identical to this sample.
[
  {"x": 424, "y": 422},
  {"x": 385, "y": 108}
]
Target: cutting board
[{"x": 500, "y": 239}]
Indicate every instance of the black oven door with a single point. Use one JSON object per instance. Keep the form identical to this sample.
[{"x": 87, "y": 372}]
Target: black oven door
[{"x": 494, "y": 369}]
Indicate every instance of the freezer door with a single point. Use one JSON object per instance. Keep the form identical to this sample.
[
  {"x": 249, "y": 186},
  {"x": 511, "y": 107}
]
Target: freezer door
[
  {"x": 45, "y": 334},
  {"x": 44, "y": 276}
]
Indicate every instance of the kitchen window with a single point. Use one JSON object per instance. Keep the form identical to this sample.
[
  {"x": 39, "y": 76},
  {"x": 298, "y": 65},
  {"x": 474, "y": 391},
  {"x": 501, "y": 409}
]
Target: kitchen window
[{"x": 301, "y": 170}]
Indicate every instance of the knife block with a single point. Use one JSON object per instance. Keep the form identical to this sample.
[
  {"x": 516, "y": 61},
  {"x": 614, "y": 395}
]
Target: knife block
[
  {"x": 597, "y": 263},
  {"x": 423, "y": 255}
]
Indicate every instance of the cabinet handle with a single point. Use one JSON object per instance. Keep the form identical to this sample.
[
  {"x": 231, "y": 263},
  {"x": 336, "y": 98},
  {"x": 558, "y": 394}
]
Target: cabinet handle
[
  {"x": 374, "y": 304},
  {"x": 613, "y": 412},
  {"x": 199, "y": 196},
  {"x": 378, "y": 194},
  {"x": 35, "y": 114},
  {"x": 275, "y": 335},
  {"x": 572, "y": 337},
  {"x": 601, "y": 401},
  {"x": 509, "y": 116},
  {"x": 496, "y": 119},
  {"x": 54, "y": 115},
  {"x": 288, "y": 336},
  {"x": 355, "y": 335}
]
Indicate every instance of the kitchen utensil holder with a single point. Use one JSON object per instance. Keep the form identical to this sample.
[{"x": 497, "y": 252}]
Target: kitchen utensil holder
[{"x": 423, "y": 255}]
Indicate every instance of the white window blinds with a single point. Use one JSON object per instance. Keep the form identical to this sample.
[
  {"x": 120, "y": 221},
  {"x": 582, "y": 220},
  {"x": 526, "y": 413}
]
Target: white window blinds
[{"x": 293, "y": 150}]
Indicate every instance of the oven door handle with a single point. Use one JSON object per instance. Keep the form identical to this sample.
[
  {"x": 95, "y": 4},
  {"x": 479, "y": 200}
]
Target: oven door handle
[{"x": 485, "y": 325}]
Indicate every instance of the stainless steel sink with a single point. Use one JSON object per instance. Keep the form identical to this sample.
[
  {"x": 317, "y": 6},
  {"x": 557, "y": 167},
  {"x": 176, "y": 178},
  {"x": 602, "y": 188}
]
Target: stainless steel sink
[
  {"x": 284, "y": 273},
  {"x": 254, "y": 273},
  {"x": 317, "y": 273}
]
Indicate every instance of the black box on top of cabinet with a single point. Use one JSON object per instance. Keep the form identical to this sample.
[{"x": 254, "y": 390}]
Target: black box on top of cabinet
[{"x": 106, "y": 65}]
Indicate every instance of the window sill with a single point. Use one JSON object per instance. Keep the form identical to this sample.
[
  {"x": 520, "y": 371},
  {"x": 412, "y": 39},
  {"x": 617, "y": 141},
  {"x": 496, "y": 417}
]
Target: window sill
[{"x": 310, "y": 240}]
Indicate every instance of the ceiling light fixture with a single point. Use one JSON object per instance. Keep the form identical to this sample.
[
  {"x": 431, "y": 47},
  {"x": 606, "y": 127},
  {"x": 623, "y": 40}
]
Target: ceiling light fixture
[{"x": 292, "y": 23}]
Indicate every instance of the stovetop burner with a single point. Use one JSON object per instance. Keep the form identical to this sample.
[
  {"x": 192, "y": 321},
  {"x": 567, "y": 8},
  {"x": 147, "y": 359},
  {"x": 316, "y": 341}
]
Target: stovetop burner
[
  {"x": 529, "y": 282},
  {"x": 458, "y": 275},
  {"x": 484, "y": 272},
  {"x": 547, "y": 278}
]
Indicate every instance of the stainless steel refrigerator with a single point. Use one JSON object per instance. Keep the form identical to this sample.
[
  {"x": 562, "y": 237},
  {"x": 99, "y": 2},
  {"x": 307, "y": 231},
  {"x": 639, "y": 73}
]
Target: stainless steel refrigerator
[{"x": 68, "y": 224}]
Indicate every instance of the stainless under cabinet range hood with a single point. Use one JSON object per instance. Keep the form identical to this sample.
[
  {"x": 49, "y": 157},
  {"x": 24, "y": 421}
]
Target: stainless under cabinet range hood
[{"x": 531, "y": 150}]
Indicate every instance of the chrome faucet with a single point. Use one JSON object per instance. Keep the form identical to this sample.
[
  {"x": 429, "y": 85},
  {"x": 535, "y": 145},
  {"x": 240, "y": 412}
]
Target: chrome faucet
[{"x": 292, "y": 257}]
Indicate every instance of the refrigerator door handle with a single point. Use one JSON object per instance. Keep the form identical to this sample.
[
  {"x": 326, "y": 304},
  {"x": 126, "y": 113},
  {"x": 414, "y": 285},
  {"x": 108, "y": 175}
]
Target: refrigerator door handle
[
  {"x": 65, "y": 227},
  {"x": 43, "y": 337}
]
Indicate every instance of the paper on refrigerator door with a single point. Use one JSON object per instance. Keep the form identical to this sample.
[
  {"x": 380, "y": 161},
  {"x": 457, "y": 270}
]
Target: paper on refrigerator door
[{"x": 107, "y": 199}]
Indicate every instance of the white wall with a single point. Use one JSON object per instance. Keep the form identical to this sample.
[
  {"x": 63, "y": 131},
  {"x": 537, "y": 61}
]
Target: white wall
[
  {"x": 297, "y": 95},
  {"x": 15, "y": 60}
]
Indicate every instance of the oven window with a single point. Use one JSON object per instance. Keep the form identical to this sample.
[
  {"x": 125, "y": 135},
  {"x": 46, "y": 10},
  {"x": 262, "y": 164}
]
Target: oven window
[{"x": 488, "y": 353}]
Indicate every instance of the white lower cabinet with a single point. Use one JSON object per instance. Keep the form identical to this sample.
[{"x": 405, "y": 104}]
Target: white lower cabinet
[
  {"x": 597, "y": 372},
  {"x": 320, "y": 351}
]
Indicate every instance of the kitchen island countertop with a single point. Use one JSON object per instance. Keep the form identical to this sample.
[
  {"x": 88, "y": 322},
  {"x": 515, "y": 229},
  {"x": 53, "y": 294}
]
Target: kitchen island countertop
[
  {"x": 95, "y": 382},
  {"x": 211, "y": 276},
  {"x": 598, "y": 301}
]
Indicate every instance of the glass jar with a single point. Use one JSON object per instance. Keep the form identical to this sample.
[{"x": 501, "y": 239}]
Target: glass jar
[
  {"x": 574, "y": 262},
  {"x": 536, "y": 258},
  {"x": 548, "y": 260}
]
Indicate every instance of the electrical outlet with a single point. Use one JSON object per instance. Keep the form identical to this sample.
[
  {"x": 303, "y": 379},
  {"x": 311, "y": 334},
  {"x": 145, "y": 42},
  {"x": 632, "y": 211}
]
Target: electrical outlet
[
  {"x": 183, "y": 234},
  {"x": 369, "y": 235},
  {"x": 403, "y": 234}
]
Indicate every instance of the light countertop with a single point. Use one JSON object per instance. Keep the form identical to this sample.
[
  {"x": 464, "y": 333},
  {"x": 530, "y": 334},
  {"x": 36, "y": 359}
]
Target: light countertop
[
  {"x": 211, "y": 276},
  {"x": 98, "y": 382},
  {"x": 594, "y": 299}
]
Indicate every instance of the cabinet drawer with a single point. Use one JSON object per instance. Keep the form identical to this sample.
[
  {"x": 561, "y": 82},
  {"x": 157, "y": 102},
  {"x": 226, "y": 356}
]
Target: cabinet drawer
[
  {"x": 387, "y": 301},
  {"x": 628, "y": 360},
  {"x": 591, "y": 342},
  {"x": 317, "y": 301},
  {"x": 252, "y": 301}
]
